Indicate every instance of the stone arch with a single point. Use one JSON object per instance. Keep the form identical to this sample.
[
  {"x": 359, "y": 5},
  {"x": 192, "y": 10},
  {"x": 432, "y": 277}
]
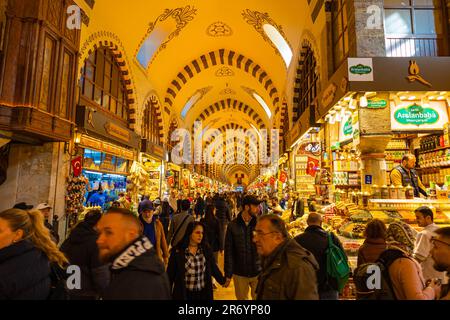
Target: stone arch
[
  {"x": 112, "y": 41},
  {"x": 234, "y": 104},
  {"x": 221, "y": 57}
]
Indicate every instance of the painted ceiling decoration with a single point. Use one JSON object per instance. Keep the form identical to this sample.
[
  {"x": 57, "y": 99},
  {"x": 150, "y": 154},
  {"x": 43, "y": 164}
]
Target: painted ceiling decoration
[
  {"x": 219, "y": 29},
  {"x": 224, "y": 72},
  {"x": 271, "y": 33},
  {"x": 221, "y": 57},
  {"x": 227, "y": 91},
  {"x": 166, "y": 27}
]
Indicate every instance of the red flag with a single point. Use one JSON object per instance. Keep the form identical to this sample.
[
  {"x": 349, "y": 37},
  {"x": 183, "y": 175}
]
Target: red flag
[
  {"x": 170, "y": 181},
  {"x": 272, "y": 181},
  {"x": 283, "y": 176},
  {"x": 77, "y": 166},
  {"x": 313, "y": 165}
]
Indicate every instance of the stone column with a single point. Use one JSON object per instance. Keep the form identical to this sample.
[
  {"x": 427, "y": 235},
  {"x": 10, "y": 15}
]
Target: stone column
[
  {"x": 366, "y": 36},
  {"x": 375, "y": 128}
]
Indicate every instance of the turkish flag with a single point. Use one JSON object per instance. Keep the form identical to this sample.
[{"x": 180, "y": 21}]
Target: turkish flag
[
  {"x": 283, "y": 176},
  {"x": 272, "y": 181},
  {"x": 170, "y": 181},
  {"x": 313, "y": 165},
  {"x": 77, "y": 166}
]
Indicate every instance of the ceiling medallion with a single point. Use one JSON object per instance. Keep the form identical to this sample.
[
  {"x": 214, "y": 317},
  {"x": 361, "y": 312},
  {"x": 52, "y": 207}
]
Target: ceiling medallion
[
  {"x": 224, "y": 72},
  {"x": 227, "y": 91},
  {"x": 219, "y": 29},
  {"x": 258, "y": 20}
]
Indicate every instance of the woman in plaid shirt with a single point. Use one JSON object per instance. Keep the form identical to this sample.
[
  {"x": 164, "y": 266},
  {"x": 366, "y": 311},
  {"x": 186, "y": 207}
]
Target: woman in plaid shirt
[{"x": 192, "y": 266}]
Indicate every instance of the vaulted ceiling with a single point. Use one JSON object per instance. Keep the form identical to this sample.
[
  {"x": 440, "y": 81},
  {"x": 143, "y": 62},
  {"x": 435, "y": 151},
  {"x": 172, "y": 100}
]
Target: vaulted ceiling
[{"x": 205, "y": 60}]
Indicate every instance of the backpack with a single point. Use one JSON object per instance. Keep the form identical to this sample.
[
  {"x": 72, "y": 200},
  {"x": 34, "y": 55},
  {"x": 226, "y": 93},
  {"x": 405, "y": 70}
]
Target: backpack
[
  {"x": 363, "y": 276},
  {"x": 58, "y": 287},
  {"x": 337, "y": 264}
]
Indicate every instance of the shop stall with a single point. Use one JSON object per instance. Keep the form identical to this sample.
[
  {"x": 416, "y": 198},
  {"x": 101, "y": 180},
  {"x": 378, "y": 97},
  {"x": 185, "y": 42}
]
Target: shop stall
[{"x": 152, "y": 158}]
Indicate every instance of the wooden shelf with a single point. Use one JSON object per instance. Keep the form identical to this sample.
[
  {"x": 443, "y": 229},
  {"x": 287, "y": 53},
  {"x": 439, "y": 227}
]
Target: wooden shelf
[
  {"x": 347, "y": 186},
  {"x": 437, "y": 149},
  {"x": 397, "y": 149}
]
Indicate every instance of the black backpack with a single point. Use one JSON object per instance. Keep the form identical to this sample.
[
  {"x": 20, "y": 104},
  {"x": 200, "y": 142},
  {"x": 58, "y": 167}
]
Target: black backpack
[
  {"x": 364, "y": 272},
  {"x": 58, "y": 287}
]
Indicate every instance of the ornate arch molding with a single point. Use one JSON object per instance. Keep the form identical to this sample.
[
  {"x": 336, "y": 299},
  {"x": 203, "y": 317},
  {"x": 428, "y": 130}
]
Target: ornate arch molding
[
  {"x": 218, "y": 58},
  {"x": 112, "y": 41},
  {"x": 153, "y": 98},
  {"x": 233, "y": 104},
  {"x": 307, "y": 42}
]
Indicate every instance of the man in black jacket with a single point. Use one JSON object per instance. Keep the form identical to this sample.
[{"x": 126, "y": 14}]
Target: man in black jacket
[
  {"x": 315, "y": 240},
  {"x": 81, "y": 250},
  {"x": 223, "y": 214},
  {"x": 242, "y": 262},
  {"x": 136, "y": 272}
]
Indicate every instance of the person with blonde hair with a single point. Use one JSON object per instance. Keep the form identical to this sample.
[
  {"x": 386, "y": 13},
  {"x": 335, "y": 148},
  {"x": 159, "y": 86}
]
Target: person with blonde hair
[{"x": 26, "y": 255}]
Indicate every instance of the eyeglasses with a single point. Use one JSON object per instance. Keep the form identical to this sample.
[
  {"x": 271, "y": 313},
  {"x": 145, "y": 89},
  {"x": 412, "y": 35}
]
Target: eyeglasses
[
  {"x": 258, "y": 233},
  {"x": 434, "y": 240}
]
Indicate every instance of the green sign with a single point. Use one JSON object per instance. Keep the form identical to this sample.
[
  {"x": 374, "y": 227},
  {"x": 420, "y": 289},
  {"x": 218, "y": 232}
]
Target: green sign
[
  {"x": 377, "y": 104},
  {"x": 416, "y": 115},
  {"x": 348, "y": 127},
  {"x": 335, "y": 146},
  {"x": 360, "y": 69}
]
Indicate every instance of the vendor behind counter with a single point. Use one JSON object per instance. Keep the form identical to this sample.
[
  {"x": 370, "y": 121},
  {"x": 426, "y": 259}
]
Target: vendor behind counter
[{"x": 405, "y": 175}]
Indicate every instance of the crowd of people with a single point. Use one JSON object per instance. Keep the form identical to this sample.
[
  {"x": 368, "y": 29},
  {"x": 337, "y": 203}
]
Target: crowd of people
[{"x": 171, "y": 250}]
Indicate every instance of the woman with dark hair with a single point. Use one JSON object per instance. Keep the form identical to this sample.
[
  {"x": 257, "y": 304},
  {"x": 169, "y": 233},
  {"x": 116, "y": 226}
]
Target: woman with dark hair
[
  {"x": 212, "y": 230},
  {"x": 374, "y": 244},
  {"x": 192, "y": 266}
]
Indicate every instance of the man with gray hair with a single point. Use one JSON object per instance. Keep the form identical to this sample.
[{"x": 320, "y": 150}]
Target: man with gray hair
[
  {"x": 289, "y": 271},
  {"x": 315, "y": 240}
]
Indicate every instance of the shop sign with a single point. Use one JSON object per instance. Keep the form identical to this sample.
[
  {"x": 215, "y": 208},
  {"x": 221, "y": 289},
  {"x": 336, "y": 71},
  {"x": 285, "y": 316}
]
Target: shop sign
[
  {"x": 416, "y": 115},
  {"x": 377, "y": 103},
  {"x": 414, "y": 74},
  {"x": 368, "y": 179},
  {"x": 105, "y": 147},
  {"x": 117, "y": 132},
  {"x": 329, "y": 94},
  {"x": 413, "y": 117},
  {"x": 313, "y": 148},
  {"x": 356, "y": 131},
  {"x": 360, "y": 69},
  {"x": 348, "y": 128}
]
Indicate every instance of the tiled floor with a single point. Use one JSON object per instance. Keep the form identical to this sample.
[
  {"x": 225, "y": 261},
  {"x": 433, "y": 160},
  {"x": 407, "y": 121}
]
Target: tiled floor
[{"x": 224, "y": 293}]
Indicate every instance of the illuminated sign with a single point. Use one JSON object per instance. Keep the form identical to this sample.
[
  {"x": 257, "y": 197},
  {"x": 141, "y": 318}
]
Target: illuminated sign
[{"x": 407, "y": 116}]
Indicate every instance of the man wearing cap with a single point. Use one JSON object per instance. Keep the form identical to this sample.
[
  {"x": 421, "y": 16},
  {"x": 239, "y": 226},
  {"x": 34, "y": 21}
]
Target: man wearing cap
[
  {"x": 154, "y": 231},
  {"x": 241, "y": 258},
  {"x": 45, "y": 209}
]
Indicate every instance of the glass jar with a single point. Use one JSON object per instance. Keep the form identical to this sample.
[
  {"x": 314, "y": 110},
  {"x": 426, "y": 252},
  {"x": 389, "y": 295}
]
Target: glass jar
[
  {"x": 392, "y": 192},
  {"x": 400, "y": 192},
  {"x": 365, "y": 199},
  {"x": 384, "y": 192},
  {"x": 409, "y": 193},
  {"x": 376, "y": 191}
]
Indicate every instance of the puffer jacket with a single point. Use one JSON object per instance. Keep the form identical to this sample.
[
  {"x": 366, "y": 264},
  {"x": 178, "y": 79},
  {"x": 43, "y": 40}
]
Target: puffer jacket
[
  {"x": 138, "y": 274},
  {"x": 289, "y": 273},
  {"x": 241, "y": 257},
  {"x": 24, "y": 272},
  {"x": 223, "y": 212},
  {"x": 81, "y": 249}
]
